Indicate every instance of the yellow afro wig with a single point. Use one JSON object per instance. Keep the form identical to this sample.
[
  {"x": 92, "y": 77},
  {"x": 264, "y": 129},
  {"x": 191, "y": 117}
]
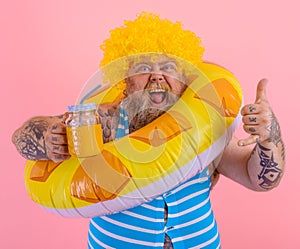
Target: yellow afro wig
[{"x": 149, "y": 33}]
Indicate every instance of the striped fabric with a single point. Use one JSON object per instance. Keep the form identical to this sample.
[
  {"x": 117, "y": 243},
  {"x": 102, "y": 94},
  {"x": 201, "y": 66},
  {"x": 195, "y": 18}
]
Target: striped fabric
[
  {"x": 190, "y": 222},
  {"x": 123, "y": 125}
]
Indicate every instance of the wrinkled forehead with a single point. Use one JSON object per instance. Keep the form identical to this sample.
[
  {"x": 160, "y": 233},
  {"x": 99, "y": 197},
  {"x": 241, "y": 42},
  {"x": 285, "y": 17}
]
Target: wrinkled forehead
[
  {"x": 150, "y": 59},
  {"x": 122, "y": 68}
]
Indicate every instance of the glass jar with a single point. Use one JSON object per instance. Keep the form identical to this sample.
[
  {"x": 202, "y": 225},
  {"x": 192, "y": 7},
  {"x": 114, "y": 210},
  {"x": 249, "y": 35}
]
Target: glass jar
[{"x": 84, "y": 132}]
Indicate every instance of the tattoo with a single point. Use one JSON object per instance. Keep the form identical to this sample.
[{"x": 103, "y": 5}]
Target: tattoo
[
  {"x": 253, "y": 119},
  {"x": 31, "y": 143},
  {"x": 56, "y": 147},
  {"x": 252, "y": 109},
  {"x": 251, "y": 129},
  {"x": 58, "y": 156},
  {"x": 109, "y": 121},
  {"x": 270, "y": 173},
  {"x": 275, "y": 133}
]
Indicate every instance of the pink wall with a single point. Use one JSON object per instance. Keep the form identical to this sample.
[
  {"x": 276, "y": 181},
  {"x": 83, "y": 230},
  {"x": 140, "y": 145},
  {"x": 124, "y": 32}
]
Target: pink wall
[{"x": 50, "y": 48}]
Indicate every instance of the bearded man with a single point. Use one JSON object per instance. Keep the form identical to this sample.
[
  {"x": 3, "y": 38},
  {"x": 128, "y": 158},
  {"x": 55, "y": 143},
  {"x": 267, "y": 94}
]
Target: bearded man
[{"x": 181, "y": 217}]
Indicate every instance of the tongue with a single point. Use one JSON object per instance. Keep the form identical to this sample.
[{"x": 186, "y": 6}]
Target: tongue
[{"x": 157, "y": 97}]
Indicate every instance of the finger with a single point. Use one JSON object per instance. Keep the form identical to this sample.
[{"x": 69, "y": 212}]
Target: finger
[
  {"x": 58, "y": 128},
  {"x": 252, "y": 129},
  {"x": 261, "y": 90},
  {"x": 65, "y": 117},
  {"x": 251, "y": 119},
  {"x": 59, "y": 157},
  {"x": 252, "y": 139},
  {"x": 250, "y": 109},
  {"x": 60, "y": 149},
  {"x": 59, "y": 139}
]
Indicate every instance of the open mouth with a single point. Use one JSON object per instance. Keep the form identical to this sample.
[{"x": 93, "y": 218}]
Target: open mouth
[{"x": 157, "y": 96}]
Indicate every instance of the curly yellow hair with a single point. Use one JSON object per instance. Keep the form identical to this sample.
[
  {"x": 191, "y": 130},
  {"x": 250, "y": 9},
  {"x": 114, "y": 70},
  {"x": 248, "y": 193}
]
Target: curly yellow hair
[{"x": 149, "y": 33}]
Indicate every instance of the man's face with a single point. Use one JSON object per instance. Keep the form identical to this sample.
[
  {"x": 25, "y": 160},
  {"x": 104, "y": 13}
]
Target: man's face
[
  {"x": 156, "y": 79},
  {"x": 152, "y": 87}
]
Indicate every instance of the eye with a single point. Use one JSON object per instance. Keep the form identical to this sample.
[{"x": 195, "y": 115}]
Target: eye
[
  {"x": 169, "y": 67},
  {"x": 142, "y": 68}
]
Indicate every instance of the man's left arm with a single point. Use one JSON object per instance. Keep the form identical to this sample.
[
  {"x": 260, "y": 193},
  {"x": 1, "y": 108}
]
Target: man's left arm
[{"x": 262, "y": 167}]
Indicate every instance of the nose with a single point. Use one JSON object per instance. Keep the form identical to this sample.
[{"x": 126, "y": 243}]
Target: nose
[{"x": 156, "y": 78}]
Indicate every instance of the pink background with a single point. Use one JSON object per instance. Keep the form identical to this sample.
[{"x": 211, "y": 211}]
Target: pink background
[{"x": 50, "y": 48}]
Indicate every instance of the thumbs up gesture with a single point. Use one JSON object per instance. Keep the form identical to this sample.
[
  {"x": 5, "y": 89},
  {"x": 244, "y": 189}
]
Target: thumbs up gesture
[{"x": 259, "y": 120}]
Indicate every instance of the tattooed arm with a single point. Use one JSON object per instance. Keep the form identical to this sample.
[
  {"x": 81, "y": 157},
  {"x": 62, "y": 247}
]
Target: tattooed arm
[
  {"x": 42, "y": 138},
  {"x": 262, "y": 167}
]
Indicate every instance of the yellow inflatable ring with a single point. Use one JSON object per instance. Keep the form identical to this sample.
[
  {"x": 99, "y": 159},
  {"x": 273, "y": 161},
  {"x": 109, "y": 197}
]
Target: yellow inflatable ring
[{"x": 148, "y": 162}]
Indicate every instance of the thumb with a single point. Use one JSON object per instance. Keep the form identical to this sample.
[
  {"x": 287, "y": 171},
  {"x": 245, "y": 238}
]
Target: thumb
[
  {"x": 261, "y": 90},
  {"x": 252, "y": 139}
]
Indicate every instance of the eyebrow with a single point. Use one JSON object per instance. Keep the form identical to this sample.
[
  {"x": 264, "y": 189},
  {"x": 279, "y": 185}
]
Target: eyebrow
[
  {"x": 151, "y": 63},
  {"x": 142, "y": 63},
  {"x": 166, "y": 62}
]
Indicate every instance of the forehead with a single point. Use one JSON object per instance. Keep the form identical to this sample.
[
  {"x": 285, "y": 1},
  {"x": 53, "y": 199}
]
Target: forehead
[{"x": 151, "y": 59}]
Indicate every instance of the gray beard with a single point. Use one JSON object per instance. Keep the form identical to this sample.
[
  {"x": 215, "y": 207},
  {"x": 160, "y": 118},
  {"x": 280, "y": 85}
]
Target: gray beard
[{"x": 140, "y": 111}]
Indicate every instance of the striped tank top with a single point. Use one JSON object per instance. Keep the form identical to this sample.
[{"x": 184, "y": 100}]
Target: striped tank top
[{"x": 190, "y": 222}]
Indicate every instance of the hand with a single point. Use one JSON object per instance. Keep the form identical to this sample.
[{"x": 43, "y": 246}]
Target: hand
[
  {"x": 56, "y": 142},
  {"x": 258, "y": 118}
]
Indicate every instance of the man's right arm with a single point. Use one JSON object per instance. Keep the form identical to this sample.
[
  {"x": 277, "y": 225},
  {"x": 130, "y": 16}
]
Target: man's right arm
[{"x": 42, "y": 138}]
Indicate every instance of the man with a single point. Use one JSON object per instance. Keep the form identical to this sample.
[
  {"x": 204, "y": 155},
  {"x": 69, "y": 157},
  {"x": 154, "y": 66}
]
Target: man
[{"x": 182, "y": 217}]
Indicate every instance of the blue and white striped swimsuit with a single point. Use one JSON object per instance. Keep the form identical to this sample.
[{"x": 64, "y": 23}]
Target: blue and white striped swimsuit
[{"x": 190, "y": 222}]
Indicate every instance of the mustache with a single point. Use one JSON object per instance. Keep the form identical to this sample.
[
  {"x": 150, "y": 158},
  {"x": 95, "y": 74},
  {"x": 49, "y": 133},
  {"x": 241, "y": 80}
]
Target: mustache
[
  {"x": 158, "y": 85},
  {"x": 140, "y": 111}
]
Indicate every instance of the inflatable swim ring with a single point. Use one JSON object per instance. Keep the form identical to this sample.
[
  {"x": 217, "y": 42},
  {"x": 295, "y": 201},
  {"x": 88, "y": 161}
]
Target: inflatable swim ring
[{"x": 150, "y": 161}]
